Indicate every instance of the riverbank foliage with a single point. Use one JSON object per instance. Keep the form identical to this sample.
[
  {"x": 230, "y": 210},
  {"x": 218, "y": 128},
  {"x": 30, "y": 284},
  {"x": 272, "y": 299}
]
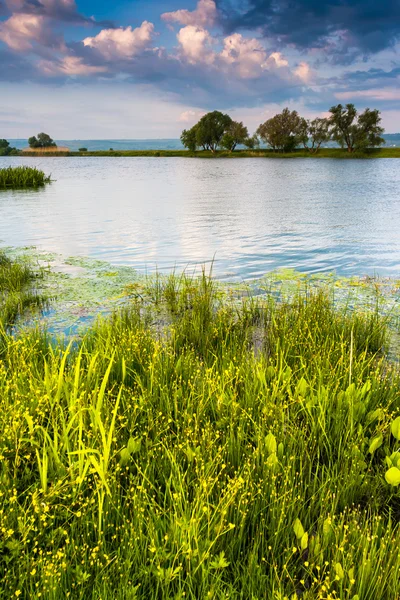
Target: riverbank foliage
[
  {"x": 287, "y": 130},
  {"x": 22, "y": 177},
  {"x": 256, "y": 153},
  {"x": 190, "y": 448}
]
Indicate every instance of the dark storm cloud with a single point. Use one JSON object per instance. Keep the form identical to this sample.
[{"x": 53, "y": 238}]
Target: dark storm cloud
[{"x": 369, "y": 25}]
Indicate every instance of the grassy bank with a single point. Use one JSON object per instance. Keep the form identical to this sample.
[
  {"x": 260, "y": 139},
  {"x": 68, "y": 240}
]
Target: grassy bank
[
  {"x": 187, "y": 447},
  {"x": 323, "y": 153},
  {"x": 22, "y": 177}
]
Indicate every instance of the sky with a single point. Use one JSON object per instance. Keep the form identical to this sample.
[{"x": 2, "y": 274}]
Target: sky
[{"x": 93, "y": 69}]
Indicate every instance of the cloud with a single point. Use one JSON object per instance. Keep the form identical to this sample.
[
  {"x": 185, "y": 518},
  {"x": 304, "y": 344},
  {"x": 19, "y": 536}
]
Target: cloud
[
  {"x": 375, "y": 94},
  {"x": 190, "y": 116},
  {"x": 21, "y": 30},
  {"x": 205, "y": 15},
  {"x": 122, "y": 42},
  {"x": 245, "y": 58},
  {"x": 69, "y": 66},
  {"x": 280, "y": 61},
  {"x": 341, "y": 26},
  {"x": 196, "y": 45},
  {"x": 247, "y": 55},
  {"x": 60, "y": 10},
  {"x": 303, "y": 71},
  {"x": 15, "y": 67}
]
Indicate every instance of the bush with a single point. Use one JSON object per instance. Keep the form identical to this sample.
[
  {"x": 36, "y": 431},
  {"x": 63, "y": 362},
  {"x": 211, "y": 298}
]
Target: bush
[{"x": 83, "y": 150}]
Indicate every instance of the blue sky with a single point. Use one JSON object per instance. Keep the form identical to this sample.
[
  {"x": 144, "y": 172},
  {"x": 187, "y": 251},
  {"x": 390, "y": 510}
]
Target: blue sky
[{"x": 135, "y": 69}]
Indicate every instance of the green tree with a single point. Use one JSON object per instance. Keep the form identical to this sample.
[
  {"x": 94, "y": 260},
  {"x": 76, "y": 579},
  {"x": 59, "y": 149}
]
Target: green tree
[
  {"x": 43, "y": 140},
  {"x": 211, "y": 129},
  {"x": 235, "y": 134},
  {"x": 314, "y": 133},
  {"x": 252, "y": 142},
  {"x": 6, "y": 149},
  {"x": 356, "y": 131},
  {"x": 283, "y": 131},
  {"x": 188, "y": 138}
]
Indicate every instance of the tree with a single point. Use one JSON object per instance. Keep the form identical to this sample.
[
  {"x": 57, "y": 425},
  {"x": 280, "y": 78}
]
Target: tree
[
  {"x": 211, "y": 129},
  {"x": 188, "y": 138},
  {"x": 314, "y": 133},
  {"x": 235, "y": 134},
  {"x": 43, "y": 140},
  {"x": 6, "y": 149},
  {"x": 251, "y": 142},
  {"x": 353, "y": 131},
  {"x": 282, "y": 132}
]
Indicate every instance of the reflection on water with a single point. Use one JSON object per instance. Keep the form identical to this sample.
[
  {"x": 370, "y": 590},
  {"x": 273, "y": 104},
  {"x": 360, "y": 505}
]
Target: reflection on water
[{"x": 253, "y": 215}]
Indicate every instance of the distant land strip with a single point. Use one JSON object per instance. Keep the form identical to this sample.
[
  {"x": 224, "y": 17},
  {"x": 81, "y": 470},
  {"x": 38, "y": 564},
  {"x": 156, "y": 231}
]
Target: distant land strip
[{"x": 260, "y": 153}]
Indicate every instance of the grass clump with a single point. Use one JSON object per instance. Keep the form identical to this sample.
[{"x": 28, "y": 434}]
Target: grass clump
[
  {"x": 22, "y": 177},
  {"x": 189, "y": 448},
  {"x": 18, "y": 289}
]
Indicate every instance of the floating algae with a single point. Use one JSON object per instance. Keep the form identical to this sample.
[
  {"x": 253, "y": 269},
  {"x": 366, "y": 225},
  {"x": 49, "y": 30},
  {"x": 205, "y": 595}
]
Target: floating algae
[{"x": 81, "y": 289}]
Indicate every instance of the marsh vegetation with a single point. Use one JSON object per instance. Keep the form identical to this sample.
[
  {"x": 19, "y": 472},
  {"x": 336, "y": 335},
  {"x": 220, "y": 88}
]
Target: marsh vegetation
[
  {"x": 195, "y": 447},
  {"x": 22, "y": 177}
]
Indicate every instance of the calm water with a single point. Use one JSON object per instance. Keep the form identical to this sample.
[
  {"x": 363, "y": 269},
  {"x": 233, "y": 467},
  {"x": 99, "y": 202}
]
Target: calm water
[{"x": 253, "y": 215}]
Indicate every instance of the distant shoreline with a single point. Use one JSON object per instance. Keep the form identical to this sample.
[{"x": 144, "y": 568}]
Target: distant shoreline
[{"x": 261, "y": 153}]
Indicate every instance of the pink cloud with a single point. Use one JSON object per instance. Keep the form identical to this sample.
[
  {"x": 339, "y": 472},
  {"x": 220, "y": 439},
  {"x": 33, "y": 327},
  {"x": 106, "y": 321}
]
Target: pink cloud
[
  {"x": 20, "y": 30},
  {"x": 204, "y": 15},
  {"x": 380, "y": 94},
  {"x": 195, "y": 44},
  {"x": 122, "y": 42},
  {"x": 70, "y": 66},
  {"x": 248, "y": 55},
  {"x": 190, "y": 116},
  {"x": 303, "y": 71}
]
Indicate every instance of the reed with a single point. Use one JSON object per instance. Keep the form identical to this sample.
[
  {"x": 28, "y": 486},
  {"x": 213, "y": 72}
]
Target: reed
[
  {"x": 167, "y": 455},
  {"x": 22, "y": 177}
]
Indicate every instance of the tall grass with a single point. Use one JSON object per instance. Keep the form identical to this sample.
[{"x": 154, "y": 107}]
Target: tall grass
[
  {"x": 172, "y": 461},
  {"x": 22, "y": 177},
  {"x": 18, "y": 290}
]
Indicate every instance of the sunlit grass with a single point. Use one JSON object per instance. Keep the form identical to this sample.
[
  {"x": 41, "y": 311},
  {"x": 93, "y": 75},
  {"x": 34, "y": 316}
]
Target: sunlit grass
[
  {"x": 22, "y": 177},
  {"x": 187, "y": 447}
]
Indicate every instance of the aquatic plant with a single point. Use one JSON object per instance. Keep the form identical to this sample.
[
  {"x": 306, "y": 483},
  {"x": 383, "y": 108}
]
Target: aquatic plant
[
  {"x": 187, "y": 447},
  {"x": 22, "y": 177},
  {"x": 18, "y": 289}
]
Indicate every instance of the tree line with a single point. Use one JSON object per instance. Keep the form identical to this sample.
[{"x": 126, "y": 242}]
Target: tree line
[
  {"x": 42, "y": 140},
  {"x": 287, "y": 131}
]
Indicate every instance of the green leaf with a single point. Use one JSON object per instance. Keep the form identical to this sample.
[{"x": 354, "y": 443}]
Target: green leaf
[
  {"x": 304, "y": 541},
  {"x": 393, "y": 476},
  {"x": 281, "y": 450},
  {"x": 298, "y": 529},
  {"x": 395, "y": 428},
  {"x": 327, "y": 528},
  {"x": 272, "y": 461},
  {"x": 220, "y": 562},
  {"x": 134, "y": 445},
  {"x": 302, "y": 387},
  {"x": 339, "y": 570},
  {"x": 376, "y": 443},
  {"x": 270, "y": 443},
  {"x": 124, "y": 457},
  {"x": 394, "y": 459}
]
